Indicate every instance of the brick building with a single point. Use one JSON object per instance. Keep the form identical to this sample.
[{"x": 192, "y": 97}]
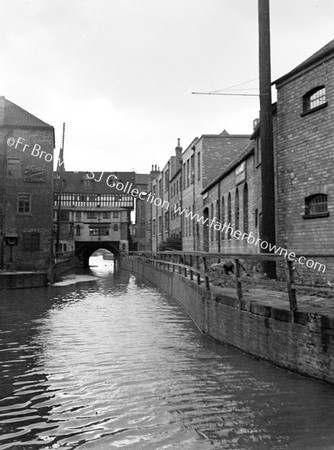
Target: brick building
[
  {"x": 202, "y": 161},
  {"x": 26, "y": 158},
  {"x": 231, "y": 198},
  {"x": 305, "y": 155}
]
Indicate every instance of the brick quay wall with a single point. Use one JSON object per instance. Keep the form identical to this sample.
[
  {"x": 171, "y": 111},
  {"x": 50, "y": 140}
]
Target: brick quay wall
[{"x": 304, "y": 345}]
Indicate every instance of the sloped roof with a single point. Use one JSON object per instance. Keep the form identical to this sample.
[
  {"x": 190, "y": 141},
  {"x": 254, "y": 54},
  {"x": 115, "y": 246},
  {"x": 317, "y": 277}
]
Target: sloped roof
[
  {"x": 236, "y": 161},
  {"x": 72, "y": 182},
  {"x": 14, "y": 115},
  {"x": 323, "y": 53}
]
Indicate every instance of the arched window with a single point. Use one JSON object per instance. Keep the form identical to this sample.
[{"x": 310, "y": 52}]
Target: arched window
[
  {"x": 245, "y": 208},
  {"x": 229, "y": 215},
  {"x": 115, "y": 227},
  {"x": 222, "y": 218},
  {"x": 316, "y": 206},
  {"x": 237, "y": 209},
  {"x": 211, "y": 219},
  {"x": 314, "y": 99}
]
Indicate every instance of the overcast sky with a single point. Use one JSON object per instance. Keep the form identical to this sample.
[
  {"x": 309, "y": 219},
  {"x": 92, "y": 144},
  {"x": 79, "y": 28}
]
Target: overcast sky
[{"x": 120, "y": 72}]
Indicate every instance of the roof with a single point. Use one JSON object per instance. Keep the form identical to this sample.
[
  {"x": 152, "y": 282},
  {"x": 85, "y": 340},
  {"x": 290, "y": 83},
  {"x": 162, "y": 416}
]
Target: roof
[
  {"x": 241, "y": 157},
  {"x": 321, "y": 54},
  {"x": 72, "y": 182},
  {"x": 15, "y": 116}
]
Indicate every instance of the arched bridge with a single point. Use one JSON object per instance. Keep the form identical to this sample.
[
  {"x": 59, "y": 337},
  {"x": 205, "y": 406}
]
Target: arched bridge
[{"x": 84, "y": 250}]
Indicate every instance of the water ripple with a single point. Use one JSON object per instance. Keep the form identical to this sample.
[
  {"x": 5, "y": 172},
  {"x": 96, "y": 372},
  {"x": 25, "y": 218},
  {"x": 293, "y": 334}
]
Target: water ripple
[{"x": 118, "y": 365}]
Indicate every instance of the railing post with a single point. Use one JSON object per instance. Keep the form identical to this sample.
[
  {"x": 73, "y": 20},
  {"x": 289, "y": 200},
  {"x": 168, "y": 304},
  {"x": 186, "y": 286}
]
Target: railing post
[
  {"x": 291, "y": 290},
  {"x": 206, "y": 277},
  {"x": 198, "y": 274},
  {"x": 237, "y": 281},
  {"x": 191, "y": 265}
]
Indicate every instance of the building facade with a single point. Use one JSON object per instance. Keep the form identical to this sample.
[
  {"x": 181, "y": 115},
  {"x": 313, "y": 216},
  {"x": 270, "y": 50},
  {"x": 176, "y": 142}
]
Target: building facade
[
  {"x": 305, "y": 155},
  {"x": 94, "y": 212},
  {"x": 202, "y": 161},
  {"x": 26, "y": 158}
]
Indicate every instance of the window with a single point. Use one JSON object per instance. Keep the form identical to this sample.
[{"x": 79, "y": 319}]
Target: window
[
  {"x": 245, "y": 208},
  {"x": 14, "y": 167},
  {"x": 24, "y": 203},
  {"x": 30, "y": 242},
  {"x": 115, "y": 227},
  {"x": 91, "y": 215},
  {"x": 77, "y": 230},
  {"x": 314, "y": 99},
  {"x": 105, "y": 215},
  {"x": 78, "y": 215},
  {"x": 316, "y": 206},
  {"x": 192, "y": 163},
  {"x": 115, "y": 214},
  {"x": 188, "y": 173},
  {"x": 160, "y": 224},
  {"x": 166, "y": 179},
  {"x": 86, "y": 183},
  {"x": 98, "y": 231},
  {"x": 212, "y": 215},
  {"x": 153, "y": 227},
  {"x": 229, "y": 215},
  {"x": 64, "y": 215},
  {"x": 166, "y": 221},
  {"x": 237, "y": 209},
  {"x": 258, "y": 152},
  {"x": 184, "y": 175},
  {"x": 217, "y": 209},
  {"x": 222, "y": 220},
  {"x": 199, "y": 165}
]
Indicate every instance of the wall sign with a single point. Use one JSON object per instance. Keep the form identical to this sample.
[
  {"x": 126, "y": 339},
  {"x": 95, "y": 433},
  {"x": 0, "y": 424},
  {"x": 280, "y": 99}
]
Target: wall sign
[{"x": 35, "y": 174}]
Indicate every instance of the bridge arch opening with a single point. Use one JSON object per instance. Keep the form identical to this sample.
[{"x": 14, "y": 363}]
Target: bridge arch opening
[
  {"x": 84, "y": 250},
  {"x": 100, "y": 256}
]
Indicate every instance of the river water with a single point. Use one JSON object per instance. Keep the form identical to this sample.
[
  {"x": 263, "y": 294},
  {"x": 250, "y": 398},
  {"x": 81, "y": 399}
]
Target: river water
[{"x": 104, "y": 360}]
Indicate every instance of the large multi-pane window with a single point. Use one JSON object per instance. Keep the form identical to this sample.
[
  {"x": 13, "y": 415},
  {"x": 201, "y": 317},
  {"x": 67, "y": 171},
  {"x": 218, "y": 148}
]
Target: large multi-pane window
[
  {"x": 98, "y": 231},
  {"x": 95, "y": 200}
]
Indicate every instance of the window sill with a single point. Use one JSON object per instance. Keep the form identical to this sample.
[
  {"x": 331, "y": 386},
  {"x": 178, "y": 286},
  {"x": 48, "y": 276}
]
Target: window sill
[
  {"x": 315, "y": 216},
  {"x": 305, "y": 113}
]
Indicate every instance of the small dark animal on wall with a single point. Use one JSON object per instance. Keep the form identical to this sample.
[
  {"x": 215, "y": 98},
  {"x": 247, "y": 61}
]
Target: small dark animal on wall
[{"x": 228, "y": 267}]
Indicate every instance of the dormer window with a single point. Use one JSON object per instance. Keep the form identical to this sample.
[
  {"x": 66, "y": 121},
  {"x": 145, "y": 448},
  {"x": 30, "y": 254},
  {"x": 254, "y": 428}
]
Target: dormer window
[
  {"x": 314, "y": 99},
  {"x": 316, "y": 206},
  {"x": 86, "y": 182}
]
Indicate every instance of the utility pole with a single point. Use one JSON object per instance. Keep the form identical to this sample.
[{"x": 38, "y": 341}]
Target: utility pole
[
  {"x": 60, "y": 178},
  {"x": 266, "y": 136}
]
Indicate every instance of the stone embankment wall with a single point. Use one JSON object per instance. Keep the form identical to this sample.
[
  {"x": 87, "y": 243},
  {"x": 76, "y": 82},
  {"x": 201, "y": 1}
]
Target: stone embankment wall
[
  {"x": 61, "y": 267},
  {"x": 303, "y": 344},
  {"x": 22, "y": 280}
]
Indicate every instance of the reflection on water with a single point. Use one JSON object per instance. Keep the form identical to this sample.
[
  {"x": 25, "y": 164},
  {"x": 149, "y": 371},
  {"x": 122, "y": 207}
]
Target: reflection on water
[{"x": 107, "y": 361}]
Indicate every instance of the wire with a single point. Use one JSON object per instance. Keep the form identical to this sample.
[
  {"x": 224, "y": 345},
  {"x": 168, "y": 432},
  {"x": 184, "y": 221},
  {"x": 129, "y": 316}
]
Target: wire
[{"x": 236, "y": 85}]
